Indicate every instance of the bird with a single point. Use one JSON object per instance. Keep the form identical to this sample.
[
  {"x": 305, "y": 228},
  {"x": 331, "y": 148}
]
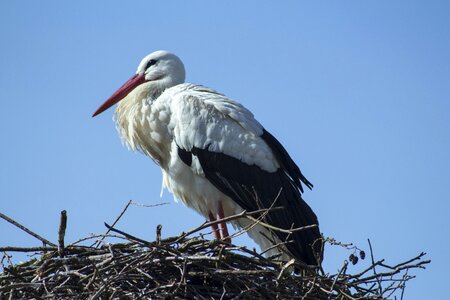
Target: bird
[{"x": 217, "y": 158}]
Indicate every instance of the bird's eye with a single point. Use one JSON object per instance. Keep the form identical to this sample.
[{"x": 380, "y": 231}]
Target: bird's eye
[{"x": 150, "y": 63}]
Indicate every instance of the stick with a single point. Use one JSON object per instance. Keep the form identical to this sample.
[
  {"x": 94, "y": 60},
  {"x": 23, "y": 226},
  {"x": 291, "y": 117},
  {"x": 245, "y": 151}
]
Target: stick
[
  {"x": 149, "y": 205},
  {"x": 242, "y": 214},
  {"x": 380, "y": 289},
  {"x": 158, "y": 234},
  {"x": 62, "y": 233},
  {"x": 45, "y": 241},
  {"x": 26, "y": 249},
  {"x": 115, "y": 222}
]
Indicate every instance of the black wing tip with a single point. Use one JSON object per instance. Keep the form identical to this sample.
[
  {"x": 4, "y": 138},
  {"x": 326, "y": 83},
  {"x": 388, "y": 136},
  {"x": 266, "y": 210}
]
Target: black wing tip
[
  {"x": 307, "y": 183},
  {"x": 285, "y": 161}
]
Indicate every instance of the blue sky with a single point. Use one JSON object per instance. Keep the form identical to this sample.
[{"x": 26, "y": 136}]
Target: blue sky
[{"x": 357, "y": 91}]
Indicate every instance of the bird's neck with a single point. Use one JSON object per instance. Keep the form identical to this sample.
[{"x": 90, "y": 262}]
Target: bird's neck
[{"x": 140, "y": 124}]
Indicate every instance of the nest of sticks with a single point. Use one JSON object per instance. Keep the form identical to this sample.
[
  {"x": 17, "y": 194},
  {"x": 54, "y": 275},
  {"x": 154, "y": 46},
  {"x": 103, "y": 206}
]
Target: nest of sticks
[{"x": 185, "y": 267}]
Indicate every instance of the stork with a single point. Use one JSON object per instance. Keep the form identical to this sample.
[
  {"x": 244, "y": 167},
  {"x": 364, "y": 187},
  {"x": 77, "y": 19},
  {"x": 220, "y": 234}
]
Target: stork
[{"x": 216, "y": 157}]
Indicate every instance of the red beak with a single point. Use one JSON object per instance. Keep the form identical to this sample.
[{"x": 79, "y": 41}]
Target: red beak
[{"x": 121, "y": 93}]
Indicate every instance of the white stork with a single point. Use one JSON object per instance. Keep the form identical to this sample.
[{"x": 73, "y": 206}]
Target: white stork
[{"x": 215, "y": 156}]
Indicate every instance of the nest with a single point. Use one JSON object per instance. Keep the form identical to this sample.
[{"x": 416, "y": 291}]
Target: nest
[{"x": 185, "y": 267}]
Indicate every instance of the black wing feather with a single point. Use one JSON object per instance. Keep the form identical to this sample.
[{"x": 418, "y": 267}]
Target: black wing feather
[
  {"x": 285, "y": 160},
  {"x": 253, "y": 188}
]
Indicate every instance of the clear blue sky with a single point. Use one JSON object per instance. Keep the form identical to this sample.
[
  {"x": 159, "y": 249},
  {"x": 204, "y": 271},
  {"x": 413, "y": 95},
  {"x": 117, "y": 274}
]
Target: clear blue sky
[{"x": 357, "y": 91}]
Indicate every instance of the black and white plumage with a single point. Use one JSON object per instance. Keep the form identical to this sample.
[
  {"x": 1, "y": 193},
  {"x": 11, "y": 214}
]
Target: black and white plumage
[{"x": 214, "y": 155}]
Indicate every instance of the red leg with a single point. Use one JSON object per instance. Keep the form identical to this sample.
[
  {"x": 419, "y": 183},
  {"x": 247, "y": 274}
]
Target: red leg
[
  {"x": 223, "y": 225},
  {"x": 215, "y": 228}
]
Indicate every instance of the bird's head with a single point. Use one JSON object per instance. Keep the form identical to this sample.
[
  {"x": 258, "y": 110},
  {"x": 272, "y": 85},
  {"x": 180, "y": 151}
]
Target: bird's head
[{"x": 161, "y": 68}]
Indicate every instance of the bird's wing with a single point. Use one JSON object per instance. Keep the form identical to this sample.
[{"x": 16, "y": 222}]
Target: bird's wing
[
  {"x": 208, "y": 120},
  {"x": 245, "y": 162}
]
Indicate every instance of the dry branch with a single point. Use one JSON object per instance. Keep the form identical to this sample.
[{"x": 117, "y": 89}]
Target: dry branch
[
  {"x": 62, "y": 232},
  {"x": 17, "y": 224}
]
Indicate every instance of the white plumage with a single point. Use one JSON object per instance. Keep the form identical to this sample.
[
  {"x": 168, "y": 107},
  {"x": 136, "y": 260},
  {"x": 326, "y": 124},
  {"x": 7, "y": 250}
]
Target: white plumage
[{"x": 214, "y": 155}]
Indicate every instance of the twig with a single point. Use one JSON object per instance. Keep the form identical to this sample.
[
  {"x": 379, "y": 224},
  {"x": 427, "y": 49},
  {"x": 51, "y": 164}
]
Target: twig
[
  {"x": 62, "y": 232},
  {"x": 158, "y": 234},
  {"x": 374, "y": 271},
  {"x": 28, "y": 249},
  {"x": 341, "y": 271},
  {"x": 242, "y": 214},
  {"x": 26, "y": 230},
  {"x": 149, "y": 205},
  {"x": 127, "y": 235},
  {"x": 115, "y": 222},
  {"x": 281, "y": 229},
  {"x": 285, "y": 267}
]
